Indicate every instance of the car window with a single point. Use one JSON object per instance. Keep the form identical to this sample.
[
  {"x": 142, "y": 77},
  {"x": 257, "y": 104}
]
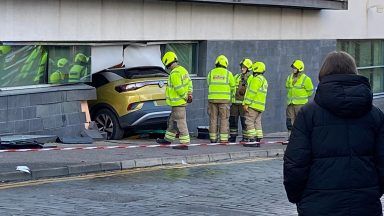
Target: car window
[{"x": 135, "y": 73}]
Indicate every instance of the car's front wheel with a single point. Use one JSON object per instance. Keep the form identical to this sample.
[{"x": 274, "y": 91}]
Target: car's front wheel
[{"x": 106, "y": 121}]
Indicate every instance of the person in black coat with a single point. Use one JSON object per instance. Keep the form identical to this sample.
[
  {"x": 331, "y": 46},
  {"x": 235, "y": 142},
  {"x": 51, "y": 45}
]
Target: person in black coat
[{"x": 334, "y": 162}]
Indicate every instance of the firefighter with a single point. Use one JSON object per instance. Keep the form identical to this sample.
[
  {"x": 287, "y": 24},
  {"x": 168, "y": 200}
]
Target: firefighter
[
  {"x": 236, "y": 111},
  {"x": 4, "y": 50},
  {"x": 254, "y": 105},
  {"x": 221, "y": 85},
  {"x": 37, "y": 56},
  {"x": 79, "y": 70},
  {"x": 59, "y": 75},
  {"x": 299, "y": 89},
  {"x": 40, "y": 78},
  {"x": 178, "y": 94}
]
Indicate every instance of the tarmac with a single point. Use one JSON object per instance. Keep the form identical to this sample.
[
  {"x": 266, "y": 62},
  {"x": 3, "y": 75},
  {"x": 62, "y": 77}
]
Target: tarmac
[{"x": 60, "y": 163}]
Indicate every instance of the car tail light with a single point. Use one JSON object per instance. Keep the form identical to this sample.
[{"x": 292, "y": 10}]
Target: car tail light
[
  {"x": 135, "y": 86},
  {"x": 129, "y": 87},
  {"x": 132, "y": 106}
]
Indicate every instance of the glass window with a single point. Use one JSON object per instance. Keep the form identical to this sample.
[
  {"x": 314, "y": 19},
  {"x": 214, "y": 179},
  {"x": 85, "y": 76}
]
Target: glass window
[
  {"x": 69, "y": 64},
  {"x": 22, "y": 65},
  {"x": 37, "y": 64},
  {"x": 369, "y": 56},
  {"x": 144, "y": 72},
  {"x": 376, "y": 78},
  {"x": 186, "y": 53}
]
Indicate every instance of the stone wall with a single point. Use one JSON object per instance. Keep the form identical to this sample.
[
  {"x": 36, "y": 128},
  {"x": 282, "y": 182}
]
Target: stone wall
[{"x": 44, "y": 111}]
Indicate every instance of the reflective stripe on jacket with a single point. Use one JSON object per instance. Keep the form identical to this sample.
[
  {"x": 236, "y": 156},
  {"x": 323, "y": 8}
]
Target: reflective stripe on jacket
[
  {"x": 178, "y": 87},
  {"x": 299, "y": 92},
  {"x": 76, "y": 72},
  {"x": 39, "y": 78},
  {"x": 221, "y": 84},
  {"x": 256, "y": 94}
]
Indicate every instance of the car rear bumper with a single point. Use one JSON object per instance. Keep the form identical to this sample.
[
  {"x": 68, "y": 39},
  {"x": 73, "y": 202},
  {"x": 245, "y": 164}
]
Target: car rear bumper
[{"x": 148, "y": 115}]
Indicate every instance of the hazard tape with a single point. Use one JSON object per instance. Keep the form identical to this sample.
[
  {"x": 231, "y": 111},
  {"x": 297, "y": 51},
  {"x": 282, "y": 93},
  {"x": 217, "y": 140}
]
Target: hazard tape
[{"x": 135, "y": 146}]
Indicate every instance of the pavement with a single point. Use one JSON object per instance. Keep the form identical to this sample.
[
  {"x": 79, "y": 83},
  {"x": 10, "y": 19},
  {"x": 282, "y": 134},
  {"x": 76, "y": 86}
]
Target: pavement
[{"x": 48, "y": 164}]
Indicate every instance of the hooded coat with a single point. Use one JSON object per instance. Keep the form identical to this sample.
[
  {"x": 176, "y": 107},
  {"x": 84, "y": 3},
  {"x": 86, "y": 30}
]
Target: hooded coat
[{"x": 334, "y": 162}]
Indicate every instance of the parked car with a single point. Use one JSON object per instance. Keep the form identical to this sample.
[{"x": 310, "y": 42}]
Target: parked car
[{"x": 129, "y": 99}]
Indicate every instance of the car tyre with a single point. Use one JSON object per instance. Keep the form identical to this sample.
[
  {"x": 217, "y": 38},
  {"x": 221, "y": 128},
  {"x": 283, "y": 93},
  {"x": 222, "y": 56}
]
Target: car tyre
[{"x": 106, "y": 121}]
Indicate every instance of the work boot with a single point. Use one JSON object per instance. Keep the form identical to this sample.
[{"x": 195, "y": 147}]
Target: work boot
[
  {"x": 258, "y": 140},
  {"x": 213, "y": 141},
  {"x": 224, "y": 142},
  {"x": 163, "y": 141},
  {"x": 244, "y": 140},
  {"x": 251, "y": 143},
  {"x": 232, "y": 139},
  {"x": 181, "y": 147}
]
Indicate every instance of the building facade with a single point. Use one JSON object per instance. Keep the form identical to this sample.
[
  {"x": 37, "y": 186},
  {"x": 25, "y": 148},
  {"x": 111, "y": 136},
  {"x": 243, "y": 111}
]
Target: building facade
[{"x": 275, "y": 32}]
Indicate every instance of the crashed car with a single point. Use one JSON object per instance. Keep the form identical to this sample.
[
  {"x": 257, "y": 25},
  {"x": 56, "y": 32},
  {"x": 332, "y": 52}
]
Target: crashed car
[{"x": 129, "y": 99}]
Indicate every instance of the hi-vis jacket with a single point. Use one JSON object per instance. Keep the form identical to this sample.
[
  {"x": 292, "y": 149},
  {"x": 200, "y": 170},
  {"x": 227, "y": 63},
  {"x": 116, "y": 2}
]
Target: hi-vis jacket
[
  {"x": 178, "y": 86},
  {"x": 241, "y": 81},
  {"x": 256, "y": 94},
  {"x": 299, "y": 92},
  {"x": 221, "y": 84}
]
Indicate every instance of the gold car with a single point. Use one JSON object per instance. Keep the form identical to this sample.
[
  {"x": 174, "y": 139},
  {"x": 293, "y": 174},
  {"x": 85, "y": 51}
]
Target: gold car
[{"x": 129, "y": 99}]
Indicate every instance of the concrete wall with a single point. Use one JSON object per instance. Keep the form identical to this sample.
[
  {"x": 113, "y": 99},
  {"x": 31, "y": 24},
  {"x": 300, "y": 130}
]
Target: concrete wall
[
  {"x": 44, "y": 111},
  {"x": 277, "y": 55},
  {"x": 122, "y": 20},
  {"x": 314, "y": 4}
]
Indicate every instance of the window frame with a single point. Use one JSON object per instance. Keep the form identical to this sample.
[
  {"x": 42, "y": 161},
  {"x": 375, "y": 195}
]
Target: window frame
[
  {"x": 195, "y": 54},
  {"x": 354, "y": 47},
  {"x": 371, "y": 78}
]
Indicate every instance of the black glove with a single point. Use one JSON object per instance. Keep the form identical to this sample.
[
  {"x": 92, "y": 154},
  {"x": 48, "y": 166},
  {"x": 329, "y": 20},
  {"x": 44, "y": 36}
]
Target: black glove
[{"x": 189, "y": 99}]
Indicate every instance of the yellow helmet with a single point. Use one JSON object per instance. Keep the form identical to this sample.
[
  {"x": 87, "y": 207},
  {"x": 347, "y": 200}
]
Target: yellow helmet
[
  {"x": 55, "y": 78},
  {"x": 62, "y": 62},
  {"x": 80, "y": 57},
  {"x": 298, "y": 64},
  {"x": 258, "y": 67},
  {"x": 247, "y": 63},
  {"x": 4, "y": 49},
  {"x": 169, "y": 58},
  {"x": 221, "y": 60}
]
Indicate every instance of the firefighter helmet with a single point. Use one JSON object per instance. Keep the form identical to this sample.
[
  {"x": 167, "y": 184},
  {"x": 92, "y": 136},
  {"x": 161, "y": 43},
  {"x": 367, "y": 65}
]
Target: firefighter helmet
[
  {"x": 221, "y": 60},
  {"x": 258, "y": 67},
  {"x": 169, "y": 58},
  {"x": 298, "y": 64}
]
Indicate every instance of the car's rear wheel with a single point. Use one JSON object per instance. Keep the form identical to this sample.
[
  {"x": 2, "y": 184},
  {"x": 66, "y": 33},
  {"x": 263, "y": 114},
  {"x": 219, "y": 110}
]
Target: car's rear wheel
[{"x": 106, "y": 121}]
